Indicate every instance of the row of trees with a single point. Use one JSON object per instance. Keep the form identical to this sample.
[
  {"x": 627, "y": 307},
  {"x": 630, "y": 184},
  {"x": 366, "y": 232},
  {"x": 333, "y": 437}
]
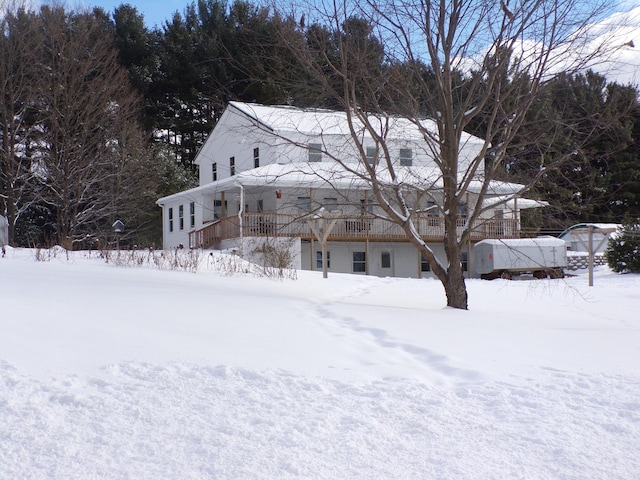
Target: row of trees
[{"x": 74, "y": 156}]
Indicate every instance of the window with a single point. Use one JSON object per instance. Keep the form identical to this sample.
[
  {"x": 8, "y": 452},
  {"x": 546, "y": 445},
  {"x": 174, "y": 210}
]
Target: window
[
  {"x": 214, "y": 171},
  {"x": 424, "y": 265},
  {"x": 366, "y": 207},
  {"x": 385, "y": 260},
  {"x": 192, "y": 214},
  {"x": 432, "y": 209},
  {"x": 330, "y": 203},
  {"x": 462, "y": 209},
  {"x": 359, "y": 262},
  {"x": 464, "y": 258},
  {"x": 433, "y": 214},
  {"x": 319, "y": 259},
  {"x": 304, "y": 204},
  {"x": 498, "y": 222},
  {"x": 217, "y": 209},
  {"x": 406, "y": 157},
  {"x": 371, "y": 156},
  {"x": 256, "y": 157},
  {"x": 260, "y": 206},
  {"x": 181, "y": 216},
  {"x": 315, "y": 152},
  {"x": 171, "y": 219},
  {"x": 232, "y": 166}
]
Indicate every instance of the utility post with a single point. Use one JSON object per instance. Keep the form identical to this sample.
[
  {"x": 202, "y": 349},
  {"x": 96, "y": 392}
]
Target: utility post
[
  {"x": 321, "y": 225},
  {"x": 591, "y": 248}
]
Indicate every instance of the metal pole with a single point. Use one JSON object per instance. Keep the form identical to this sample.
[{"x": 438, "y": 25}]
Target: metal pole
[
  {"x": 324, "y": 248},
  {"x": 591, "y": 255},
  {"x": 240, "y": 211}
]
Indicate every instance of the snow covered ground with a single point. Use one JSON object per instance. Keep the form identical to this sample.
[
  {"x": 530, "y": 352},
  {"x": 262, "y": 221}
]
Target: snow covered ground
[{"x": 140, "y": 373}]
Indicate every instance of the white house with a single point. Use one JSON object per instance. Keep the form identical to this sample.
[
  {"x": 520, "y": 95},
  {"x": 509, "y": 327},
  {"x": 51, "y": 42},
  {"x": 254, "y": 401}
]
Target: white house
[{"x": 265, "y": 173}]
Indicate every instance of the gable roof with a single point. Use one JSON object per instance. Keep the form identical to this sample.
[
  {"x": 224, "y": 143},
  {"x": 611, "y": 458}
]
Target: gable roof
[{"x": 283, "y": 119}]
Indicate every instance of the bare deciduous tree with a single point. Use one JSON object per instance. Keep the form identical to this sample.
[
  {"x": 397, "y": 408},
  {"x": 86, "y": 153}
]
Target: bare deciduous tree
[
  {"x": 19, "y": 47},
  {"x": 468, "y": 65},
  {"x": 85, "y": 107}
]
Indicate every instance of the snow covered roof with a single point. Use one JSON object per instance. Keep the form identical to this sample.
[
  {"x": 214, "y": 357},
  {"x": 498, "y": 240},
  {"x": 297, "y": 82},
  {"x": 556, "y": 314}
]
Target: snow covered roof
[
  {"x": 543, "y": 241},
  {"x": 284, "y": 119},
  {"x": 312, "y": 175},
  {"x": 334, "y": 175},
  {"x": 513, "y": 204},
  {"x": 606, "y": 227}
]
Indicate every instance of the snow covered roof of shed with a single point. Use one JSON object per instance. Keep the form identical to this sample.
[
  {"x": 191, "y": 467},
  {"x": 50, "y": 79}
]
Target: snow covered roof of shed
[
  {"x": 607, "y": 228},
  {"x": 543, "y": 241},
  {"x": 283, "y": 119}
]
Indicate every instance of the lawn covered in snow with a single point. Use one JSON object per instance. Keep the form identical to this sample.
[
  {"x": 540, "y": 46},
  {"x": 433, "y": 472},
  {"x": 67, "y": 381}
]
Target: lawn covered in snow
[{"x": 136, "y": 372}]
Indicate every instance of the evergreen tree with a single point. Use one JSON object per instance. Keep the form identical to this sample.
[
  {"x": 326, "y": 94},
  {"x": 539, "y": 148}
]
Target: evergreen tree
[
  {"x": 623, "y": 250},
  {"x": 592, "y": 125}
]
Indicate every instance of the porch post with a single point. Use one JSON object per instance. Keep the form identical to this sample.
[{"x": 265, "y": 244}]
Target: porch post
[
  {"x": 517, "y": 216},
  {"x": 366, "y": 256}
]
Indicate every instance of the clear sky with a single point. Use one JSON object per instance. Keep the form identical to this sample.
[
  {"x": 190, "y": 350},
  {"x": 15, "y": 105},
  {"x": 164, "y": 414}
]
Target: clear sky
[
  {"x": 155, "y": 11},
  {"x": 624, "y": 66}
]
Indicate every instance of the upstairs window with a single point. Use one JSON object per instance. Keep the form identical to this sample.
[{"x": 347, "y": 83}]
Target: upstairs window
[
  {"x": 406, "y": 157},
  {"x": 330, "y": 203},
  {"x": 181, "y": 217},
  {"x": 366, "y": 207},
  {"x": 171, "y": 219},
  {"x": 214, "y": 172},
  {"x": 192, "y": 214},
  {"x": 256, "y": 157},
  {"x": 315, "y": 152},
  {"x": 371, "y": 156},
  {"x": 232, "y": 166},
  {"x": 432, "y": 209},
  {"x": 304, "y": 204}
]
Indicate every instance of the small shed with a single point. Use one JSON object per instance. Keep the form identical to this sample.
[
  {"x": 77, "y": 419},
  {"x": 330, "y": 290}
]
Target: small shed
[
  {"x": 519, "y": 255},
  {"x": 577, "y": 236}
]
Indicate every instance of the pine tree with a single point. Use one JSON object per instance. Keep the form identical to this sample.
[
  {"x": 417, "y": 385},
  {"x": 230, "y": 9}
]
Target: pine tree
[{"x": 623, "y": 250}]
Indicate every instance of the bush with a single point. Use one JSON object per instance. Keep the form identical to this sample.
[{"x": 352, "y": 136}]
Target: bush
[{"x": 623, "y": 249}]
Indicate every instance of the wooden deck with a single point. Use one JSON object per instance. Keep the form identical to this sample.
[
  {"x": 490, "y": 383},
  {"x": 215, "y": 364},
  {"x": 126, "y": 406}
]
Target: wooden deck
[{"x": 347, "y": 229}]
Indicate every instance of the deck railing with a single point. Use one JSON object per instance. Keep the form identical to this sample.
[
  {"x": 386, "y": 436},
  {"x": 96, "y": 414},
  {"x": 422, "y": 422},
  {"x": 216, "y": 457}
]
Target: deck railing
[{"x": 356, "y": 228}]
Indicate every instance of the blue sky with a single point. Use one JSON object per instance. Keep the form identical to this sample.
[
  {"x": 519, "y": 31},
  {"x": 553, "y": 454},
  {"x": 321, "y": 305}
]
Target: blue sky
[
  {"x": 625, "y": 67},
  {"x": 155, "y": 11}
]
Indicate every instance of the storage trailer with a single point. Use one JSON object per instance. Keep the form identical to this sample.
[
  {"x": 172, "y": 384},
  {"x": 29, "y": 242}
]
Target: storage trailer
[{"x": 541, "y": 256}]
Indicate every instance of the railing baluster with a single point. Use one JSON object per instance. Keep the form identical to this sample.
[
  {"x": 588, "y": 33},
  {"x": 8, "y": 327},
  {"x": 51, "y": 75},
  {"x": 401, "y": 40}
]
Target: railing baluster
[{"x": 356, "y": 227}]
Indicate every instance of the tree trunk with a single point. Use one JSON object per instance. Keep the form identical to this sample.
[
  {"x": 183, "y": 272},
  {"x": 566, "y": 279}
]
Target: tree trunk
[
  {"x": 455, "y": 288},
  {"x": 454, "y": 284}
]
